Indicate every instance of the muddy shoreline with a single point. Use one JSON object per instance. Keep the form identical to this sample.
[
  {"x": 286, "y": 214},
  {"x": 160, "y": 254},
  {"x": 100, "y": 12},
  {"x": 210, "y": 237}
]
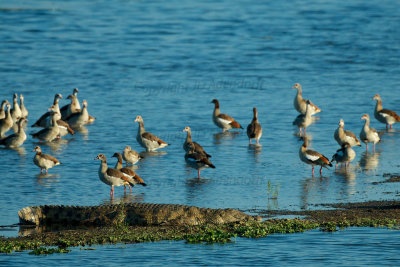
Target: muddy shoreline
[{"x": 364, "y": 214}]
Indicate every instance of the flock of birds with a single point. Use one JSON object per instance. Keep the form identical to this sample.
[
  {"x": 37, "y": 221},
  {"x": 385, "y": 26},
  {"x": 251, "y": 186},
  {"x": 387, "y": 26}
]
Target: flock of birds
[{"x": 58, "y": 122}]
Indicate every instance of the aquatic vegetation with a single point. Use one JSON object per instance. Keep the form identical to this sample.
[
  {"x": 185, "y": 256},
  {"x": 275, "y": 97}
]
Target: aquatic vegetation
[{"x": 59, "y": 242}]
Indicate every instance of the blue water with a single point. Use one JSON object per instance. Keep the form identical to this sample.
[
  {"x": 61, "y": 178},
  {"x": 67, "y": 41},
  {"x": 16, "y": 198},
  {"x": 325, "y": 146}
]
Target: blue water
[{"x": 166, "y": 61}]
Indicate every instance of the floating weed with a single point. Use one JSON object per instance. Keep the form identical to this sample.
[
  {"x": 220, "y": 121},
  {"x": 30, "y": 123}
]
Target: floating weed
[
  {"x": 208, "y": 234},
  {"x": 46, "y": 251}
]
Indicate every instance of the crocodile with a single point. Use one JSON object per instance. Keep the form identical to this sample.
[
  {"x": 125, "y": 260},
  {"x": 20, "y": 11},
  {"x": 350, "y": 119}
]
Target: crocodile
[{"x": 143, "y": 214}]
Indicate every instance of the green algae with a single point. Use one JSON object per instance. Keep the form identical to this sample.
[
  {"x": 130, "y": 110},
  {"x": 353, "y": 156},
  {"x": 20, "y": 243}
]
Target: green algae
[{"x": 59, "y": 242}]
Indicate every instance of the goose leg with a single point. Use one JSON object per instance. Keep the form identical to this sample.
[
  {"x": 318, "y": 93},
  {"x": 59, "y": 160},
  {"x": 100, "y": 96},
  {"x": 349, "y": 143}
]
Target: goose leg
[
  {"x": 367, "y": 146},
  {"x": 374, "y": 148},
  {"x": 320, "y": 171},
  {"x": 130, "y": 188},
  {"x": 198, "y": 174},
  {"x": 249, "y": 141},
  {"x": 41, "y": 170},
  {"x": 313, "y": 170},
  {"x": 46, "y": 171}
]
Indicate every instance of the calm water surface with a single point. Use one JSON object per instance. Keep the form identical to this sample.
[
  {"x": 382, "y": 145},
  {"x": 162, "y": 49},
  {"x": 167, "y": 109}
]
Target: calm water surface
[{"x": 166, "y": 61}]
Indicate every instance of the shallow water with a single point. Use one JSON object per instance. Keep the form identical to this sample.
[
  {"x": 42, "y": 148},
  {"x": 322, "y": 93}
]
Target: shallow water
[
  {"x": 345, "y": 248},
  {"x": 166, "y": 62}
]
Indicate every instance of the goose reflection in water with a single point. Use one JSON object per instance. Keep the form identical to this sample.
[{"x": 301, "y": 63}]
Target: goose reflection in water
[
  {"x": 125, "y": 198},
  {"x": 147, "y": 154},
  {"x": 369, "y": 162},
  {"x": 224, "y": 136},
  {"x": 47, "y": 180},
  {"x": 20, "y": 150},
  {"x": 312, "y": 187},
  {"x": 255, "y": 151}
]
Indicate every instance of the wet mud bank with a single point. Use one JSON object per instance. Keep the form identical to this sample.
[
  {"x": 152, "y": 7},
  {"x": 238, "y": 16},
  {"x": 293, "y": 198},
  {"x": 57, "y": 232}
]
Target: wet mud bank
[{"x": 58, "y": 240}]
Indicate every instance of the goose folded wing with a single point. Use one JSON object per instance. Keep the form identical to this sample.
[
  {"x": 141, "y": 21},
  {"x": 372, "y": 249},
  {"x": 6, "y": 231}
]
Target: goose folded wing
[{"x": 152, "y": 137}]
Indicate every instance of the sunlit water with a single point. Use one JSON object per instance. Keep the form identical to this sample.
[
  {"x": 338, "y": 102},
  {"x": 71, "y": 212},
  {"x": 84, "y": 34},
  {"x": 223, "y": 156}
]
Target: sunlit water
[{"x": 166, "y": 61}]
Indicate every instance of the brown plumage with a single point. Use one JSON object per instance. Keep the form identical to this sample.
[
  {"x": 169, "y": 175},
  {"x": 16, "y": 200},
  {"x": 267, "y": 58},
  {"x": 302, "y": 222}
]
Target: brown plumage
[
  {"x": 386, "y": 116},
  {"x": 313, "y": 157},
  {"x": 187, "y": 146},
  {"x": 254, "y": 129},
  {"x": 127, "y": 171},
  {"x": 223, "y": 121},
  {"x": 197, "y": 160}
]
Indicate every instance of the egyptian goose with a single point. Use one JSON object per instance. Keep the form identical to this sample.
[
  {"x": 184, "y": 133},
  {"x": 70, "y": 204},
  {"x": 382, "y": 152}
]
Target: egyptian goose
[
  {"x": 312, "y": 157},
  {"x": 112, "y": 176},
  {"x": 44, "y": 120},
  {"x": 344, "y": 155},
  {"x": 147, "y": 139},
  {"x": 254, "y": 130},
  {"x": 79, "y": 119},
  {"x": 197, "y": 160},
  {"x": 223, "y": 121},
  {"x": 300, "y": 104},
  {"x": 24, "y": 111},
  {"x": 44, "y": 161},
  {"x": 7, "y": 122},
  {"x": 386, "y": 116},
  {"x": 302, "y": 121},
  {"x": 73, "y": 107},
  {"x": 342, "y": 136},
  {"x": 2, "y": 109},
  {"x": 187, "y": 146},
  {"x": 367, "y": 134},
  {"x": 127, "y": 172},
  {"x": 50, "y": 133},
  {"x": 130, "y": 156},
  {"x": 16, "y": 139},
  {"x": 16, "y": 110},
  {"x": 62, "y": 125}
]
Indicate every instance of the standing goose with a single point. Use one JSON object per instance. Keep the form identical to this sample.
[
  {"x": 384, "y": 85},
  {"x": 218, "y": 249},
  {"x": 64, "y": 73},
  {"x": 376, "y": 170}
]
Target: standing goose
[
  {"x": 130, "y": 156},
  {"x": 147, "y": 139},
  {"x": 300, "y": 104},
  {"x": 111, "y": 176},
  {"x": 128, "y": 172},
  {"x": 313, "y": 157},
  {"x": 44, "y": 120},
  {"x": 343, "y": 136},
  {"x": 62, "y": 125},
  {"x": 367, "y": 134},
  {"x": 17, "y": 139},
  {"x": 254, "y": 130},
  {"x": 302, "y": 121},
  {"x": 79, "y": 119},
  {"x": 44, "y": 161},
  {"x": 73, "y": 107},
  {"x": 2, "y": 109},
  {"x": 386, "y": 116},
  {"x": 24, "y": 111},
  {"x": 344, "y": 155},
  {"x": 197, "y": 160},
  {"x": 15, "y": 111},
  {"x": 7, "y": 122},
  {"x": 50, "y": 133},
  {"x": 187, "y": 146},
  {"x": 223, "y": 121}
]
